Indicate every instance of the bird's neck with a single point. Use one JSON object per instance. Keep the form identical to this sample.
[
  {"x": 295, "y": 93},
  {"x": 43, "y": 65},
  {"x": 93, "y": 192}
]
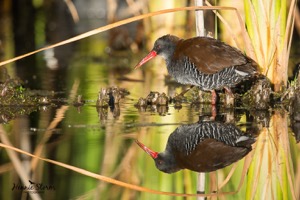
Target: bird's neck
[
  {"x": 167, "y": 56},
  {"x": 168, "y": 53},
  {"x": 168, "y": 63}
]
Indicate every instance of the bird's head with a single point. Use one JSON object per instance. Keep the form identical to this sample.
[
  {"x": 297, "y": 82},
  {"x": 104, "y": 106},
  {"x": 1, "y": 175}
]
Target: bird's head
[
  {"x": 163, "y": 46},
  {"x": 164, "y": 161}
]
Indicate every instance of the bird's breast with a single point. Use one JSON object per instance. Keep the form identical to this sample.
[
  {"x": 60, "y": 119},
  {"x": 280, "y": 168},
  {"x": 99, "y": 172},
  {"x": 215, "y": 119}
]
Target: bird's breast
[{"x": 185, "y": 72}]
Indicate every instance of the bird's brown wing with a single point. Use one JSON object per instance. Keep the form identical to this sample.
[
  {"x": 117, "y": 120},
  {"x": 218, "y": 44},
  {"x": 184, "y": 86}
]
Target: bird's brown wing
[
  {"x": 209, "y": 55},
  {"x": 210, "y": 155}
]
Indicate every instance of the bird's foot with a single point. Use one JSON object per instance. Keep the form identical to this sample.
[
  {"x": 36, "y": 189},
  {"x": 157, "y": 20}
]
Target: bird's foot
[{"x": 213, "y": 112}]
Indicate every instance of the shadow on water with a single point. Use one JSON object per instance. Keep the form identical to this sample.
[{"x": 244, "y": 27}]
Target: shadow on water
[{"x": 243, "y": 151}]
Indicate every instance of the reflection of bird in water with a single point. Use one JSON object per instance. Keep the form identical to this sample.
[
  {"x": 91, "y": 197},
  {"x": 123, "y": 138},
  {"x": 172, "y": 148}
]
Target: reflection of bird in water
[
  {"x": 202, "y": 147},
  {"x": 295, "y": 113},
  {"x": 204, "y": 62}
]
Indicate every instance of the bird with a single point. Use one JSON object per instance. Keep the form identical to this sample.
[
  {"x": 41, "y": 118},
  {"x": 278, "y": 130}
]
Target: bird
[
  {"x": 205, "y": 62},
  {"x": 203, "y": 147}
]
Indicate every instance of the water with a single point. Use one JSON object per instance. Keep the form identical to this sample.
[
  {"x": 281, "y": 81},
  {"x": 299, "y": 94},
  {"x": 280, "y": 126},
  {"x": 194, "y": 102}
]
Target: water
[{"x": 101, "y": 141}]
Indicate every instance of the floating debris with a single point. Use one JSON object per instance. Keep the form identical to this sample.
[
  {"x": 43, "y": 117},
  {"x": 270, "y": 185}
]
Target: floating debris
[
  {"x": 12, "y": 92},
  {"x": 110, "y": 96},
  {"x": 157, "y": 103},
  {"x": 152, "y": 97},
  {"x": 141, "y": 102},
  {"x": 44, "y": 101},
  {"x": 116, "y": 111},
  {"x": 103, "y": 98},
  {"x": 121, "y": 91},
  {"x": 102, "y": 114},
  {"x": 79, "y": 101},
  {"x": 162, "y": 110},
  {"x": 115, "y": 95},
  {"x": 162, "y": 100},
  {"x": 258, "y": 96}
]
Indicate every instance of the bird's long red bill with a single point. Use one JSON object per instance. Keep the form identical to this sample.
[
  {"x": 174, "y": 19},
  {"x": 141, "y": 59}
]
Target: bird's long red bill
[
  {"x": 152, "y": 153},
  {"x": 151, "y": 55}
]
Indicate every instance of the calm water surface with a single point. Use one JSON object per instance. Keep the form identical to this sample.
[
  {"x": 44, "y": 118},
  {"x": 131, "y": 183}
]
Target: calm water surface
[{"x": 102, "y": 141}]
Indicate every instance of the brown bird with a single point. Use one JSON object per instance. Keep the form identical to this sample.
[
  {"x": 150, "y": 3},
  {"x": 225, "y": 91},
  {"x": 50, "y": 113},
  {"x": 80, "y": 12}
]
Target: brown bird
[
  {"x": 204, "y": 62},
  {"x": 203, "y": 147}
]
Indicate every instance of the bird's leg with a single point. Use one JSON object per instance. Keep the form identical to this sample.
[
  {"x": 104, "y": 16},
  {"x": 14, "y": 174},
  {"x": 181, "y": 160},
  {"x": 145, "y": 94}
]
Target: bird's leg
[
  {"x": 183, "y": 92},
  {"x": 228, "y": 90},
  {"x": 213, "y": 112},
  {"x": 229, "y": 97},
  {"x": 214, "y": 97}
]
